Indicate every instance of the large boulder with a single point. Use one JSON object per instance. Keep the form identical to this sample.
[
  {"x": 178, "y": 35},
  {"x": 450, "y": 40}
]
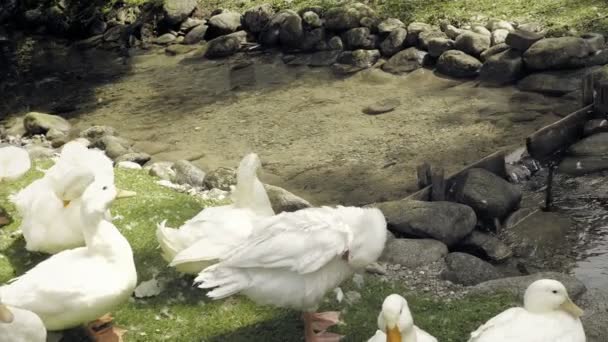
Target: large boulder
[
  {"x": 447, "y": 222},
  {"x": 405, "y": 61},
  {"x": 496, "y": 49},
  {"x": 592, "y": 146},
  {"x": 224, "y": 23},
  {"x": 285, "y": 27},
  {"x": 311, "y": 19},
  {"x": 522, "y": 40},
  {"x": 188, "y": 173},
  {"x": 554, "y": 83},
  {"x": 223, "y": 46},
  {"x": 347, "y": 16},
  {"x": 283, "y": 200},
  {"x": 425, "y": 36},
  {"x": 468, "y": 270},
  {"x": 472, "y": 43},
  {"x": 596, "y": 41},
  {"x": 485, "y": 246},
  {"x": 393, "y": 43},
  {"x": 437, "y": 46},
  {"x": 196, "y": 34},
  {"x": 359, "y": 58},
  {"x": 358, "y": 38},
  {"x": 499, "y": 36},
  {"x": 413, "y": 253},
  {"x": 256, "y": 18},
  {"x": 456, "y": 63},
  {"x": 579, "y": 166},
  {"x": 40, "y": 123},
  {"x": 555, "y": 53},
  {"x": 390, "y": 25},
  {"x": 488, "y": 194},
  {"x": 413, "y": 31},
  {"x": 518, "y": 285},
  {"x": 177, "y": 11},
  {"x": 502, "y": 68}
]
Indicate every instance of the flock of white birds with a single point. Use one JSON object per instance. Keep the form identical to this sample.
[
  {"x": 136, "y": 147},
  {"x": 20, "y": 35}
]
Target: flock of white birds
[{"x": 286, "y": 259}]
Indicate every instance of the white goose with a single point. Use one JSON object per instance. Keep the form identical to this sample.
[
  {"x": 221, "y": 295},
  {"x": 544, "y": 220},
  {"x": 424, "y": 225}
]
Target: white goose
[
  {"x": 14, "y": 162},
  {"x": 79, "y": 285},
  {"x": 395, "y": 323},
  {"x": 294, "y": 259},
  {"x": 18, "y": 325},
  {"x": 205, "y": 238},
  {"x": 548, "y": 315},
  {"x": 50, "y": 206}
]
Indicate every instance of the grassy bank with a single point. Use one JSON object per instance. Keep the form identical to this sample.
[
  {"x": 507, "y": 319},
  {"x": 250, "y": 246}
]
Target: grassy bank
[{"x": 182, "y": 313}]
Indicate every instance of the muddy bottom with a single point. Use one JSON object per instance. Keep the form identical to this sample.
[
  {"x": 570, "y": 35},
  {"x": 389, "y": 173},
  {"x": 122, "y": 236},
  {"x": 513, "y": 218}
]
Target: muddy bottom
[{"x": 306, "y": 124}]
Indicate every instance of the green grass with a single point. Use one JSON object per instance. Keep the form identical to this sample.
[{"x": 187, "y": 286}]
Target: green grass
[{"x": 182, "y": 313}]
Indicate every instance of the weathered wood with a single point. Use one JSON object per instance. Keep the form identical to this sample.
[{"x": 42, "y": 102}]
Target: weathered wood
[
  {"x": 423, "y": 175},
  {"x": 438, "y": 184},
  {"x": 601, "y": 101},
  {"x": 545, "y": 142},
  {"x": 494, "y": 163},
  {"x": 588, "y": 82}
]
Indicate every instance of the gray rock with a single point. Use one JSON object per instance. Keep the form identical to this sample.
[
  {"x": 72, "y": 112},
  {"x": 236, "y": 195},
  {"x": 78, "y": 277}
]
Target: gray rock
[
  {"x": 488, "y": 194},
  {"x": 413, "y": 253},
  {"x": 165, "y": 39},
  {"x": 162, "y": 170},
  {"x": 522, "y": 40},
  {"x": 291, "y": 30},
  {"x": 468, "y": 270},
  {"x": 555, "y": 83},
  {"x": 196, "y": 35},
  {"x": 347, "y": 16},
  {"x": 94, "y": 133},
  {"x": 404, "y": 61},
  {"x": 456, "y": 63},
  {"x": 518, "y": 285},
  {"x": 452, "y": 31},
  {"x": 592, "y": 146},
  {"x": 472, "y": 43},
  {"x": 496, "y": 24},
  {"x": 179, "y": 49},
  {"x": 359, "y": 58},
  {"x": 595, "y": 318},
  {"x": 177, "y": 11},
  {"x": 335, "y": 43},
  {"x": 486, "y": 246},
  {"x": 502, "y": 68},
  {"x": 257, "y": 17},
  {"x": 113, "y": 146},
  {"x": 190, "y": 23},
  {"x": 285, "y": 20},
  {"x": 481, "y": 30},
  {"x": 437, "y": 46},
  {"x": 499, "y": 36},
  {"x": 596, "y": 41},
  {"x": 315, "y": 59},
  {"x": 56, "y": 137},
  {"x": 222, "y": 47},
  {"x": 390, "y": 25},
  {"x": 425, "y": 36},
  {"x": 382, "y": 106},
  {"x": 393, "y": 43},
  {"x": 224, "y": 23},
  {"x": 188, "y": 173},
  {"x": 444, "y": 221},
  {"x": 33, "y": 16},
  {"x": 283, "y": 200},
  {"x": 595, "y": 126},
  {"x": 413, "y": 31},
  {"x": 554, "y": 53},
  {"x": 134, "y": 157},
  {"x": 221, "y": 178},
  {"x": 40, "y": 123},
  {"x": 312, "y": 19},
  {"x": 493, "y": 51},
  {"x": 579, "y": 166},
  {"x": 358, "y": 38}
]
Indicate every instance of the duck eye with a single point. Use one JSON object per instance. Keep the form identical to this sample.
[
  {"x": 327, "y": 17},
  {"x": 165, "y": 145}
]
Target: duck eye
[
  {"x": 104, "y": 188},
  {"x": 554, "y": 291}
]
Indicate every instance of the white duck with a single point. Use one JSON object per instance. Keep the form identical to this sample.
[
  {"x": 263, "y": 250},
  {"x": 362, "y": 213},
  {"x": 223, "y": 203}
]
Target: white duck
[
  {"x": 14, "y": 162},
  {"x": 294, "y": 259},
  {"x": 50, "y": 206},
  {"x": 80, "y": 285},
  {"x": 205, "y": 238},
  {"x": 396, "y": 323},
  {"x": 18, "y": 325},
  {"x": 548, "y": 315}
]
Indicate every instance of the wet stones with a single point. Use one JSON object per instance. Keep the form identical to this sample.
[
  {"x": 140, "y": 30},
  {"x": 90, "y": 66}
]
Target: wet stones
[
  {"x": 223, "y": 46},
  {"x": 390, "y": 25},
  {"x": 447, "y": 222},
  {"x": 458, "y": 64},
  {"x": 393, "y": 43},
  {"x": 595, "y": 41},
  {"x": 221, "y": 178},
  {"x": 425, "y": 36},
  {"x": 522, "y": 40},
  {"x": 178, "y": 10},
  {"x": 358, "y": 38},
  {"x": 502, "y": 68},
  {"x": 468, "y": 270},
  {"x": 188, "y": 173},
  {"x": 485, "y": 246},
  {"x": 472, "y": 43},
  {"x": 224, "y": 23},
  {"x": 413, "y": 252},
  {"x": 489, "y": 195},
  {"x": 347, "y": 17},
  {"x": 257, "y": 17},
  {"x": 554, "y": 53},
  {"x": 555, "y": 83},
  {"x": 595, "y": 126},
  {"x": 437, "y": 46},
  {"x": 413, "y": 31},
  {"x": 283, "y": 200},
  {"x": 196, "y": 34},
  {"x": 359, "y": 58},
  {"x": 499, "y": 36},
  {"x": 405, "y": 61}
]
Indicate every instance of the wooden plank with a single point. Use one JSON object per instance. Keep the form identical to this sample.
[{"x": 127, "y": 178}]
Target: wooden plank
[
  {"x": 550, "y": 139},
  {"x": 423, "y": 175},
  {"x": 588, "y": 89},
  {"x": 438, "y": 184}
]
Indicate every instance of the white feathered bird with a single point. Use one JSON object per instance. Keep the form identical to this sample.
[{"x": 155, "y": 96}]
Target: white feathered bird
[
  {"x": 548, "y": 315},
  {"x": 395, "y": 323},
  {"x": 14, "y": 162},
  {"x": 215, "y": 231},
  {"x": 293, "y": 259},
  {"x": 79, "y": 285},
  {"x": 18, "y": 325}
]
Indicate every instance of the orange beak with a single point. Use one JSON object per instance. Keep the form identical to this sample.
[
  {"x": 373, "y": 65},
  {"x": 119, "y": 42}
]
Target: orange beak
[
  {"x": 66, "y": 203},
  {"x": 393, "y": 334}
]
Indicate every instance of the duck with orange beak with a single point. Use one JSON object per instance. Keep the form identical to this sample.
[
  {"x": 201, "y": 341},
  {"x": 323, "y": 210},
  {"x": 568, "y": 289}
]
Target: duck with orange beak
[{"x": 396, "y": 324}]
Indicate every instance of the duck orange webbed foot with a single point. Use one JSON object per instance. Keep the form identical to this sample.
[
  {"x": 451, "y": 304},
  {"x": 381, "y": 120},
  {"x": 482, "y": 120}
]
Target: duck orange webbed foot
[{"x": 102, "y": 330}]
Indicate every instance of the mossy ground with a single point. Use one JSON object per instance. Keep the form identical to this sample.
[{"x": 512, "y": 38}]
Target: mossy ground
[{"x": 183, "y": 313}]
